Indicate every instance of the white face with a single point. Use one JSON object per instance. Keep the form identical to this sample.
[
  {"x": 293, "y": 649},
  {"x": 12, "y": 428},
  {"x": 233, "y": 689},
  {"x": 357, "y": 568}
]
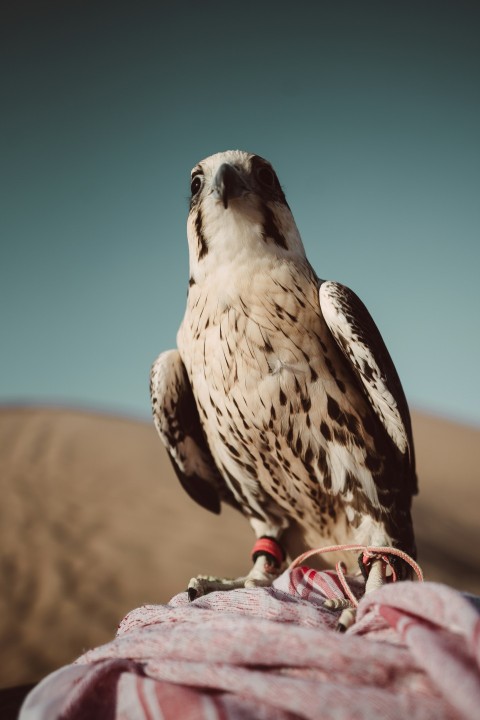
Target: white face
[{"x": 238, "y": 209}]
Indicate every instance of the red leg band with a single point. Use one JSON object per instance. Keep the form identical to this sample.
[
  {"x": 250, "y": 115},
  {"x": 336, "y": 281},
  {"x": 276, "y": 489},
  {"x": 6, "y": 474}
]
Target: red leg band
[{"x": 271, "y": 548}]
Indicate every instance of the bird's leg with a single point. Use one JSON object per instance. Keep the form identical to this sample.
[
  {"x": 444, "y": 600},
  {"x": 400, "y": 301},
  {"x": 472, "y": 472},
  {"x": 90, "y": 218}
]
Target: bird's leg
[
  {"x": 267, "y": 556},
  {"x": 375, "y": 579},
  {"x": 377, "y": 575}
]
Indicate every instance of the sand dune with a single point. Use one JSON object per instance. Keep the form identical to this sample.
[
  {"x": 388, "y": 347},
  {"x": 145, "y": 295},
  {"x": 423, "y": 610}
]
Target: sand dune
[{"x": 93, "y": 523}]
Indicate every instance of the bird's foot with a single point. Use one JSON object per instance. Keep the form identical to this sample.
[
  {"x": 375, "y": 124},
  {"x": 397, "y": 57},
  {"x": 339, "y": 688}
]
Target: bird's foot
[
  {"x": 346, "y": 619},
  {"x": 347, "y": 616},
  {"x": 267, "y": 566},
  {"x": 375, "y": 568},
  {"x": 204, "y": 584},
  {"x": 374, "y": 579}
]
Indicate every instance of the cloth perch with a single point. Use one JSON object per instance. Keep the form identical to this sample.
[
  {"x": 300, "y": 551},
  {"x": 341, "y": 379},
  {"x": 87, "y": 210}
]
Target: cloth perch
[{"x": 273, "y": 654}]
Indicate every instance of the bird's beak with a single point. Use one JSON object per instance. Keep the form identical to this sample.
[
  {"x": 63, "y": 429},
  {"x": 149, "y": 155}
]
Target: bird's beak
[{"x": 228, "y": 184}]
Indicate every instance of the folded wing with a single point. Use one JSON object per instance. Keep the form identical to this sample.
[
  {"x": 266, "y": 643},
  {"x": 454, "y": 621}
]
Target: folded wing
[
  {"x": 178, "y": 423},
  {"x": 360, "y": 341}
]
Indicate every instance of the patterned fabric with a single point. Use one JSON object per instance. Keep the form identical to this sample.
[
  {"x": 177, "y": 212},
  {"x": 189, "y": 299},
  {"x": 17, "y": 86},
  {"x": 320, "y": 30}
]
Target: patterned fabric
[{"x": 272, "y": 654}]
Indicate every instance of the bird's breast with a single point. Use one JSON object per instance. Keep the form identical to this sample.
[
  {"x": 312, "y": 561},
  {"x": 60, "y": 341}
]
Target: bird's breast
[
  {"x": 263, "y": 362},
  {"x": 278, "y": 406}
]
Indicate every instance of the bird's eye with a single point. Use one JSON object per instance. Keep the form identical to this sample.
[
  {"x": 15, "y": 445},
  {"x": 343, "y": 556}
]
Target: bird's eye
[
  {"x": 266, "y": 176},
  {"x": 197, "y": 183}
]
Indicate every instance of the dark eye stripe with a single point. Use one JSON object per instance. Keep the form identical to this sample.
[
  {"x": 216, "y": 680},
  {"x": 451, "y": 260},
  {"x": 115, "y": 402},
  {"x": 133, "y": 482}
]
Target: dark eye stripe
[
  {"x": 270, "y": 229},
  {"x": 202, "y": 243}
]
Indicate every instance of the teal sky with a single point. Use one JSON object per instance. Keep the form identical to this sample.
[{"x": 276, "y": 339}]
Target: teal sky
[{"x": 369, "y": 111}]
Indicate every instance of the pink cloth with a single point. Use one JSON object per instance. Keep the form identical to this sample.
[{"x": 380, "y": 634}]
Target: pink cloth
[{"x": 272, "y": 654}]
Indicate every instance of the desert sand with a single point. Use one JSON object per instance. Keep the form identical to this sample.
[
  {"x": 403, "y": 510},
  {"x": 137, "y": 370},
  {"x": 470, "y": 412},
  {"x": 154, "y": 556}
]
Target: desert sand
[{"x": 93, "y": 522}]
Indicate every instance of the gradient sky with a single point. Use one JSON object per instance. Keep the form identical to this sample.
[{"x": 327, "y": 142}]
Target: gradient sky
[{"x": 369, "y": 111}]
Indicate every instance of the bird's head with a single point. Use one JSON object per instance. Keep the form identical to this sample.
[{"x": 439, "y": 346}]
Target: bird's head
[{"x": 238, "y": 212}]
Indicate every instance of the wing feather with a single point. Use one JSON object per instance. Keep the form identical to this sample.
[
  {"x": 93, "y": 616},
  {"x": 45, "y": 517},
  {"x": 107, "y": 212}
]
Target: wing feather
[
  {"x": 362, "y": 345},
  {"x": 178, "y": 423}
]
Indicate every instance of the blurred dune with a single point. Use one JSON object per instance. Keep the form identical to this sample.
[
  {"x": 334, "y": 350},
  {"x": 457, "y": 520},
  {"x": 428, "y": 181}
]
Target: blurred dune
[{"x": 93, "y": 523}]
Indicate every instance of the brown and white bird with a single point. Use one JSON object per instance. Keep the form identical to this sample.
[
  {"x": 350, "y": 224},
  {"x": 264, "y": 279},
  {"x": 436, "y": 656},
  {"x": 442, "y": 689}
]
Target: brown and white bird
[{"x": 282, "y": 399}]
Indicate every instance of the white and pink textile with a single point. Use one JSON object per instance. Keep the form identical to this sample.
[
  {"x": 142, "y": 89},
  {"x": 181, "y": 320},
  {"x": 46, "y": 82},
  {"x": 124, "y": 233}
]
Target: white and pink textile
[{"x": 272, "y": 654}]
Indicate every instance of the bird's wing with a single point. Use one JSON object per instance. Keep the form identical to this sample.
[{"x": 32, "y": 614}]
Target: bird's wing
[
  {"x": 360, "y": 341},
  {"x": 178, "y": 423}
]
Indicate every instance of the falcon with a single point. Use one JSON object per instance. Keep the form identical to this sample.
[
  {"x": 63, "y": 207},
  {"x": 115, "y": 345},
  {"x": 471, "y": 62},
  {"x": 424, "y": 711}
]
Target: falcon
[{"x": 281, "y": 399}]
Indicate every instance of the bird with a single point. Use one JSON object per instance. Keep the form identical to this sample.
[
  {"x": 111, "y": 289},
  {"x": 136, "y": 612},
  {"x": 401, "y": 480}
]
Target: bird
[{"x": 281, "y": 398}]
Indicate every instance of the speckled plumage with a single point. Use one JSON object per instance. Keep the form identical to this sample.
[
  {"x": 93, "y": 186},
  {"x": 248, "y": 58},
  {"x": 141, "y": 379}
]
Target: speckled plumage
[{"x": 282, "y": 399}]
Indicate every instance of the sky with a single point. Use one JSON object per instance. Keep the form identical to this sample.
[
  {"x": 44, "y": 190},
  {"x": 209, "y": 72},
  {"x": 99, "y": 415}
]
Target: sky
[{"x": 369, "y": 112}]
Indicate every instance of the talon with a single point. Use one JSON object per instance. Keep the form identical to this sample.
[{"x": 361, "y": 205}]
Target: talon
[
  {"x": 346, "y": 619},
  {"x": 337, "y": 604}
]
